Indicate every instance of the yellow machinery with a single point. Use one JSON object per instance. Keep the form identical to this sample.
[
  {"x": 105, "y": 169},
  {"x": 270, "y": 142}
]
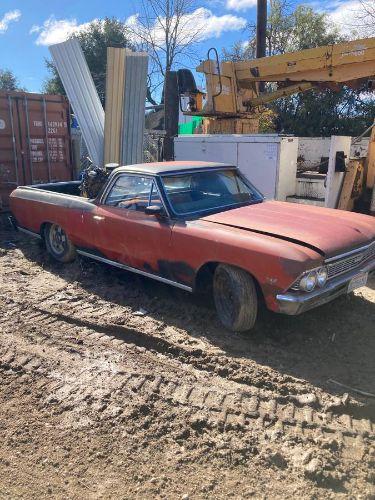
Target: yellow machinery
[
  {"x": 233, "y": 100},
  {"x": 232, "y": 88}
]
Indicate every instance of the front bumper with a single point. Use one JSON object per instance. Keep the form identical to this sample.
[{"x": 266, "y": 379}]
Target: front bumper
[{"x": 298, "y": 302}]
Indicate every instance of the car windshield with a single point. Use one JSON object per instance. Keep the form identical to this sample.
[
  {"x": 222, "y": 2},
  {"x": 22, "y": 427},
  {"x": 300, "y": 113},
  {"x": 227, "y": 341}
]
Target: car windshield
[{"x": 208, "y": 191}]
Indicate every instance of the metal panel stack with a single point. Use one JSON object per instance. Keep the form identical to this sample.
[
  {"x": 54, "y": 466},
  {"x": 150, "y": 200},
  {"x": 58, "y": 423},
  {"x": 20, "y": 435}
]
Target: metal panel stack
[
  {"x": 79, "y": 87},
  {"x": 125, "y": 106},
  {"x": 114, "y": 102},
  {"x": 119, "y": 137},
  {"x": 136, "y": 64}
]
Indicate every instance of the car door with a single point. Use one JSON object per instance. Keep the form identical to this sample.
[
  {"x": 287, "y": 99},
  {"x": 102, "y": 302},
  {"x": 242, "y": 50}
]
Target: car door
[{"x": 125, "y": 233}]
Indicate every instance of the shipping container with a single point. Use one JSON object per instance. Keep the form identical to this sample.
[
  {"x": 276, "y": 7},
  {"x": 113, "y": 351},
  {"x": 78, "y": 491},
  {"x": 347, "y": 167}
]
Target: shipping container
[{"x": 35, "y": 144}]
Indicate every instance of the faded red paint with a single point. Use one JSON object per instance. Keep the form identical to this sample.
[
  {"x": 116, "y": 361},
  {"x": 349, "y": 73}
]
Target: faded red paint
[
  {"x": 323, "y": 228},
  {"x": 275, "y": 242}
]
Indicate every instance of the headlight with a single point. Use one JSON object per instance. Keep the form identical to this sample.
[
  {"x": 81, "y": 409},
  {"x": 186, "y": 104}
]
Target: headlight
[
  {"x": 309, "y": 281},
  {"x": 322, "y": 275}
]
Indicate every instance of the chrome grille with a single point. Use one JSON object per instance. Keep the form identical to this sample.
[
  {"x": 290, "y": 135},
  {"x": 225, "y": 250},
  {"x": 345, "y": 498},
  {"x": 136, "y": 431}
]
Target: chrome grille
[
  {"x": 346, "y": 264},
  {"x": 342, "y": 266}
]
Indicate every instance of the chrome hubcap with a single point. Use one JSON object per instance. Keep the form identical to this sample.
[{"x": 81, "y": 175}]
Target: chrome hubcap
[{"x": 57, "y": 239}]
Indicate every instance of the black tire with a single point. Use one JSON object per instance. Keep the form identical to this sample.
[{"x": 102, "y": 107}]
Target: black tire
[
  {"x": 58, "y": 244},
  {"x": 235, "y": 298}
]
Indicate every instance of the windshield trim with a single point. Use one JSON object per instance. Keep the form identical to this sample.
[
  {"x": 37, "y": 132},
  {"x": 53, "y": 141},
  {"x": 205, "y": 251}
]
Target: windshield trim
[
  {"x": 196, "y": 170},
  {"x": 206, "y": 211}
]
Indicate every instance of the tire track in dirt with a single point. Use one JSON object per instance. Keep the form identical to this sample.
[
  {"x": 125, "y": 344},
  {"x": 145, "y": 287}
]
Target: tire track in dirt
[
  {"x": 222, "y": 406},
  {"x": 109, "y": 318},
  {"x": 102, "y": 317}
]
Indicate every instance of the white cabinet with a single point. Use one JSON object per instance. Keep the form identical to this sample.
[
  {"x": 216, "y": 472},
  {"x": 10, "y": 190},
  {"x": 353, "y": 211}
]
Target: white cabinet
[
  {"x": 257, "y": 161},
  {"x": 204, "y": 150},
  {"x": 269, "y": 161}
]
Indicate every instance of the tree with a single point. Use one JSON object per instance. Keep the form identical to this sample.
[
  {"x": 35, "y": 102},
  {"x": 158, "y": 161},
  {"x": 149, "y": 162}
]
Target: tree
[
  {"x": 94, "y": 40},
  {"x": 287, "y": 31},
  {"x": 325, "y": 113},
  {"x": 358, "y": 18},
  {"x": 168, "y": 30},
  {"x": 8, "y": 81},
  {"x": 366, "y": 18},
  {"x": 315, "y": 112}
]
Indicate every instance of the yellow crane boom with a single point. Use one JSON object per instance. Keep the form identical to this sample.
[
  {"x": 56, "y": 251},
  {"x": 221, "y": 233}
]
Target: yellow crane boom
[
  {"x": 232, "y": 88},
  {"x": 233, "y": 98}
]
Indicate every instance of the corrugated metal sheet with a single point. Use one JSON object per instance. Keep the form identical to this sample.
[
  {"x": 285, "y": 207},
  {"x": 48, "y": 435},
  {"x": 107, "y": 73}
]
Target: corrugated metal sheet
[
  {"x": 80, "y": 89},
  {"x": 114, "y": 102},
  {"x": 136, "y": 64},
  {"x": 34, "y": 141}
]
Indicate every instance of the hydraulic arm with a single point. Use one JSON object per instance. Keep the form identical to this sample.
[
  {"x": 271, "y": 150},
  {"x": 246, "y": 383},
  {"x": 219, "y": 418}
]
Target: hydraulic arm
[{"x": 232, "y": 88}]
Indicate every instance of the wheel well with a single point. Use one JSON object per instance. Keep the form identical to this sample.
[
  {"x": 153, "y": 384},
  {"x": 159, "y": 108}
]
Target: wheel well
[
  {"x": 42, "y": 228},
  {"x": 204, "y": 279}
]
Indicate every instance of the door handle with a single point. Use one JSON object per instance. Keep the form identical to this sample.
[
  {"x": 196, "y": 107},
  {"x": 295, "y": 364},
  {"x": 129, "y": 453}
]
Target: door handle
[{"x": 98, "y": 217}]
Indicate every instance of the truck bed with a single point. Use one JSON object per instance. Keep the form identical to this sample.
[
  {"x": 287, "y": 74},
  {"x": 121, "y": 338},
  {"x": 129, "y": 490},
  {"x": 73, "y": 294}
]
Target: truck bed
[
  {"x": 59, "y": 202},
  {"x": 70, "y": 187}
]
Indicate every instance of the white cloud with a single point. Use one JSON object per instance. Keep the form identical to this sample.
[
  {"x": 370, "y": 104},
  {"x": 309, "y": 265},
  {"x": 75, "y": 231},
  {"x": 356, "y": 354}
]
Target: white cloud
[
  {"x": 201, "y": 22},
  {"x": 201, "y": 25},
  {"x": 240, "y": 4},
  {"x": 353, "y": 17},
  {"x": 214, "y": 26},
  {"x": 10, "y": 16},
  {"x": 55, "y": 31},
  {"x": 132, "y": 21}
]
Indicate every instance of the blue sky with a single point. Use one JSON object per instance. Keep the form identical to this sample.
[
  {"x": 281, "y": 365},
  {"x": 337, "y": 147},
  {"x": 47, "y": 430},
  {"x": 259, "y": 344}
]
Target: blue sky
[{"x": 28, "y": 26}]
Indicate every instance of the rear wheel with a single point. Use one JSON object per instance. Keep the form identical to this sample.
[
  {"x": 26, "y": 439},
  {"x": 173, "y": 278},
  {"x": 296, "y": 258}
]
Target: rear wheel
[
  {"x": 235, "y": 298},
  {"x": 58, "y": 243}
]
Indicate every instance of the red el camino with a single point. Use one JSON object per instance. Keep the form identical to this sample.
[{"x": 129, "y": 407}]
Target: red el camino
[{"x": 203, "y": 226}]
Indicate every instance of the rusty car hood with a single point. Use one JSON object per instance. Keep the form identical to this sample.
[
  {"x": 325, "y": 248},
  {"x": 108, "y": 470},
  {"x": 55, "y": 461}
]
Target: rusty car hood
[{"x": 325, "y": 230}]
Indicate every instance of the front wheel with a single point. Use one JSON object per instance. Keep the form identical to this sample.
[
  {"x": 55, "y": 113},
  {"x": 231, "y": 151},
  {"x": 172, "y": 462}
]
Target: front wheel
[
  {"x": 235, "y": 298},
  {"x": 58, "y": 243}
]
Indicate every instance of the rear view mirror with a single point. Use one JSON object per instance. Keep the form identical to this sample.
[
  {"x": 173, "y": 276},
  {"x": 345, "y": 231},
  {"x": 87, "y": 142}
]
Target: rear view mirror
[{"x": 154, "y": 210}]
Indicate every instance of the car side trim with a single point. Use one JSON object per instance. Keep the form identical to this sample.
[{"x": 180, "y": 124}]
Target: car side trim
[
  {"x": 30, "y": 233},
  {"x": 134, "y": 270}
]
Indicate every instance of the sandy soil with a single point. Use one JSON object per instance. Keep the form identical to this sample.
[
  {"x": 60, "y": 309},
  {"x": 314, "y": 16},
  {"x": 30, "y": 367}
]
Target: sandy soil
[{"x": 115, "y": 386}]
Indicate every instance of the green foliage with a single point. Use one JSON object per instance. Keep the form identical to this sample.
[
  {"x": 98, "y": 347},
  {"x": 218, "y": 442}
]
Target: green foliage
[
  {"x": 94, "y": 40},
  {"x": 322, "y": 112},
  {"x": 8, "y": 81},
  {"x": 267, "y": 121},
  {"x": 325, "y": 113},
  {"x": 300, "y": 29},
  {"x": 239, "y": 51},
  {"x": 53, "y": 84},
  {"x": 311, "y": 29}
]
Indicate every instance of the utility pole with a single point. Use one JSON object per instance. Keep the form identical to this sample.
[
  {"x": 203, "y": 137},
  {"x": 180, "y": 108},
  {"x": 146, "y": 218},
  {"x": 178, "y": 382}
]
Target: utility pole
[
  {"x": 261, "y": 33},
  {"x": 261, "y": 28},
  {"x": 171, "y": 111}
]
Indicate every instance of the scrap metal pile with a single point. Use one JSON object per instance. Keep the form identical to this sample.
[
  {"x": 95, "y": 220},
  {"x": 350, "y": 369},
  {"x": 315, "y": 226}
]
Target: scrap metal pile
[{"x": 115, "y": 136}]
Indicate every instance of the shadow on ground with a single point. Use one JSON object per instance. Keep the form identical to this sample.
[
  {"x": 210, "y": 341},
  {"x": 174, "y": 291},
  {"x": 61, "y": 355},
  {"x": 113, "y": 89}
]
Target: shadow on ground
[{"x": 335, "y": 341}]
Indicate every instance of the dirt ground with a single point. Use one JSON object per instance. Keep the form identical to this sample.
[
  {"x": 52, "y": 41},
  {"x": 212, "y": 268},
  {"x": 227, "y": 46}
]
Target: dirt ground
[{"x": 115, "y": 386}]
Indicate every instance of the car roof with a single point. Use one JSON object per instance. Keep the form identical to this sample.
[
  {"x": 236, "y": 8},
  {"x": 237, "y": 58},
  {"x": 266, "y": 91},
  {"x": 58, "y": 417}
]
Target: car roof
[{"x": 165, "y": 167}]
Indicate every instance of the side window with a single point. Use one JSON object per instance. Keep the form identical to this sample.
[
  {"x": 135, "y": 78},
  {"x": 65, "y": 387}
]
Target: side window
[{"x": 133, "y": 192}]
